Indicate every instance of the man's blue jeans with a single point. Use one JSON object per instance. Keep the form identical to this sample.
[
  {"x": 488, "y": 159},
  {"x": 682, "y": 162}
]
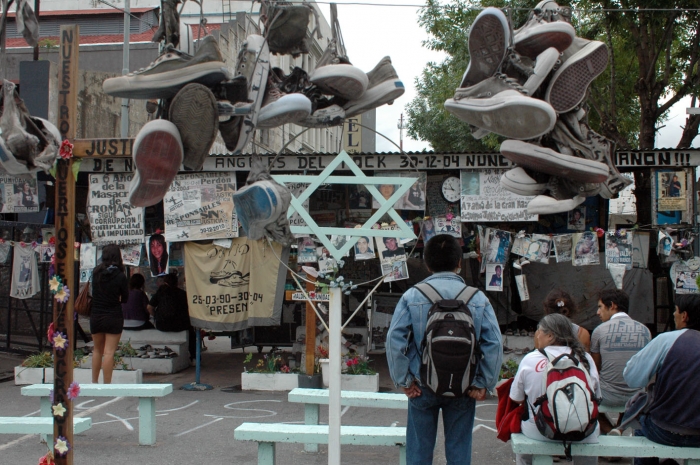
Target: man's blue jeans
[
  {"x": 662, "y": 436},
  {"x": 421, "y": 430}
]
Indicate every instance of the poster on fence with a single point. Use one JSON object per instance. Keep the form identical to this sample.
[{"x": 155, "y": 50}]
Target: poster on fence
[
  {"x": 113, "y": 220},
  {"x": 18, "y": 194},
  {"x": 618, "y": 248},
  {"x": 671, "y": 191},
  {"x": 199, "y": 206},
  {"x": 483, "y": 199},
  {"x": 684, "y": 275}
]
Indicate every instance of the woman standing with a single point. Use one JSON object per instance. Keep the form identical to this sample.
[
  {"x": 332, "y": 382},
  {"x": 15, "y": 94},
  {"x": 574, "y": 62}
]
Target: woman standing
[
  {"x": 559, "y": 301},
  {"x": 109, "y": 291},
  {"x": 136, "y": 316}
]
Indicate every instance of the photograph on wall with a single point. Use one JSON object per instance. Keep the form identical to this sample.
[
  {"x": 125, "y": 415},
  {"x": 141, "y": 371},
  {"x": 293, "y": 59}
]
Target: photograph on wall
[
  {"x": 577, "y": 219},
  {"x": 18, "y": 193},
  {"x": 586, "y": 249},
  {"x": 483, "y": 199},
  {"x": 326, "y": 263},
  {"x": 88, "y": 257},
  {"x": 665, "y": 241},
  {"x": 47, "y": 234},
  {"x": 387, "y": 190},
  {"x": 46, "y": 253},
  {"x": 414, "y": 199},
  {"x": 562, "y": 247},
  {"x": 306, "y": 252},
  {"x": 684, "y": 275},
  {"x": 339, "y": 241},
  {"x": 640, "y": 249},
  {"x": 395, "y": 271},
  {"x": 494, "y": 277},
  {"x": 618, "y": 248},
  {"x": 389, "y": 249},
  {"x": 428, "y": 230},
  {"x": 498, "y": 247},
  {"x": 360, "y": 198},
  {"x": 539, "y": 248},
  {"x": 113, "y": 220},
  {"x": 671, "y": 191},
  {"x": 520, "y": 245},
  {"x": 364, "y": 248},
  {"x": 131, "y": 254},
  {"x": 157, "y": 255},
  {"x": 452, "y": 227}
]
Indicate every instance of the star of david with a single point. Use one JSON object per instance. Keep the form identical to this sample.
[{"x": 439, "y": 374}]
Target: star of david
[{"x": 325, "y": 177}]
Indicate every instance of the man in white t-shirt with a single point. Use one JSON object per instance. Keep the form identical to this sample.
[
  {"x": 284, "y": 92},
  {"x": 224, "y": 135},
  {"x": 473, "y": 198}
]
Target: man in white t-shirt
[{"x": 613, "y": 343}]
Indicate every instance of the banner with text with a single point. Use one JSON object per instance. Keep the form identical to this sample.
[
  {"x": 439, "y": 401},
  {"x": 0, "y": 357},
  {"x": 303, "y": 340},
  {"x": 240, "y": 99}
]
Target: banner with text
[
  {"x": 484, "y": 200},
  {"x": 113, "y": 220}
]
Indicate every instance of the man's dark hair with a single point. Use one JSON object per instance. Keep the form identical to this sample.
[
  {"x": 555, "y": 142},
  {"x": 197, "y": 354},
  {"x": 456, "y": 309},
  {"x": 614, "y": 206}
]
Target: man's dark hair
[
  {"x": 498, "y": 267},
  {"x": 384, "y": 239},
  {"x": 690, "y": 304},
  {"x": 615, "y": 296},
  {"x": 170, "y": 279},
  {"x": 442, "y": 253}
]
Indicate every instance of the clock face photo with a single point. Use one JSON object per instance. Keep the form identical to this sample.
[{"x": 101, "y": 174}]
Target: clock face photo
[{"x": 451, "y": 189}]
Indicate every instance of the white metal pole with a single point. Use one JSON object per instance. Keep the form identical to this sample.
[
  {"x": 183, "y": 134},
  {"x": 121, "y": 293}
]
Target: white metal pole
[
  {"x": 335, "y": 309},
  {"x": 125, "y": 68}
]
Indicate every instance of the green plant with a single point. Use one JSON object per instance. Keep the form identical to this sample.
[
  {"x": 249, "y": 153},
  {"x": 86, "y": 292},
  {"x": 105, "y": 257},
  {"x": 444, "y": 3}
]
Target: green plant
[
  {"x": 358, "y": 365},
  {"x": 270, "y": 363},
  {"x": 125, "y": 349},
  {"x": 508, "y": 369},
  {"x": 42, "y": 360}
]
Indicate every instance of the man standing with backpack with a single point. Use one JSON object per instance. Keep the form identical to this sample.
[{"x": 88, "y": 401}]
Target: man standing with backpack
[{"x": 444, "y": 350}]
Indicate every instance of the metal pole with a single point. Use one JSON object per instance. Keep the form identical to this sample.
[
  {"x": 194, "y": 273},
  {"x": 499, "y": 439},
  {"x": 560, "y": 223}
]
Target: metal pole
[
  {"x": 125, "y": 68},
  {"x": 334, "y": 342}
]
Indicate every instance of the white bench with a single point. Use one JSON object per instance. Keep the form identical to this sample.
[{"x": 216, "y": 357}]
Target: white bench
[
  {"x": 314, "y": 398},
  {"x": 39, "y": 425},
  {"x": 268, "y": 434},
  {"x": 146, "y": 393},
  {"x": 608, "y": 446},
  {"x": 611, "y": 408}
]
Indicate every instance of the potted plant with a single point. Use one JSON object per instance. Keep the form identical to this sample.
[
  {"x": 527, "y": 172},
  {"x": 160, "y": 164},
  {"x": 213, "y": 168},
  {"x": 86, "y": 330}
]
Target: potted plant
[
  {"x": 356, "y": 374},
  {"x": 269, "y": 374}
]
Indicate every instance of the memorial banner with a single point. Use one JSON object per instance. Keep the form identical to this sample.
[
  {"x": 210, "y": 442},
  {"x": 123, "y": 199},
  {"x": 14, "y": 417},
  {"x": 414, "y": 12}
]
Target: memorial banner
[
  {"x": 113, "y": 220},
  {"x": 230, "y": 289},
  {"x": 18, "y": 194},
  {"x": 199, "y": 206},
  {"x": 483, "y": 199}
]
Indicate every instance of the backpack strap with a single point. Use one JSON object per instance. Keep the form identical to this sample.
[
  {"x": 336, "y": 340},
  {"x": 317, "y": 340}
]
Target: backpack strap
[
  {"x": 466, "y": 294},
  {"x": 429, "y": 292}
]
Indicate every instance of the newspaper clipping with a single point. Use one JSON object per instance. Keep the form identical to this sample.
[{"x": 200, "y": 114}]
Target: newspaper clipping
[
  {"x": 586, "y": 249},
  {"x": 618, "y": 248},
  {"x": 483, "y": 199},
  {"x": 113, "y": 220},
  {"x": 684, "y": 275},
  {"x": 200, "y": 206},
  {"x": 562, "y": 247},
  {"x": 18, "y": 194}
]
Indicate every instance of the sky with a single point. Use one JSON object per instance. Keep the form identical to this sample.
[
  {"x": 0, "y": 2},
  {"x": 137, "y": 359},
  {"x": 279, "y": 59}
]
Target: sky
[{"x": 371, "y": 31}]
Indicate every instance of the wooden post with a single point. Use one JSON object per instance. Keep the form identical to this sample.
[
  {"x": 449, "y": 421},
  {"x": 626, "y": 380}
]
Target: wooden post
[
  {"x": 310, "y": 330},
  {"x": 65, "y": 236}
]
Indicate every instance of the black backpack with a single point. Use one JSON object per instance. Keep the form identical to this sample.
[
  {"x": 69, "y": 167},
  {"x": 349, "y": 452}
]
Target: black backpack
[{"x": 449, "y": 347}]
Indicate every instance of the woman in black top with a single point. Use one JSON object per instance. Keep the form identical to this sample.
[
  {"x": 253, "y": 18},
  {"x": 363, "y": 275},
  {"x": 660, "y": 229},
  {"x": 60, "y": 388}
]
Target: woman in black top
[{"x": 110, "y": 289}]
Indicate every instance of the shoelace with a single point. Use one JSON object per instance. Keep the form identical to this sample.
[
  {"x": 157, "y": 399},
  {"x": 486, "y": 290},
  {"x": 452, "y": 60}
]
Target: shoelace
[
  {"x": 169, "y": 49},
  {"x": 513, "y": 83}
]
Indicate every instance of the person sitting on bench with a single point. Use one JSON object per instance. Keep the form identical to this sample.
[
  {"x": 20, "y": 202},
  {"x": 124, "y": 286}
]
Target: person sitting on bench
[{"x": 672, "y": 415}]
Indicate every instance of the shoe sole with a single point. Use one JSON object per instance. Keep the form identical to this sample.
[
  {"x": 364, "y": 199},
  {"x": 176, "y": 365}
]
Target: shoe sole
[
  {"x": 508, "y": 113},
  {"x": 374, "y": 97},
  {"x": 324, "y": 118},
  {"x": 543, "y": 205},
  {"x": 166, "y": 84},
  {"x": 534, "y": 41},
  {"x": 569, "y": 84},
  {"x": 195, "y": 114},
  {"x": 543, "y": 66},
  {"x": 488, "y": 41},
  {"x": 256, "y": 90},
  {"x": 289, "y": 108},
  {"x": 345, "y": 81},
  {"x": 157, "y": 155},
  {"x": 520, "y": 187},
  {"x": 548, "y": 161}
]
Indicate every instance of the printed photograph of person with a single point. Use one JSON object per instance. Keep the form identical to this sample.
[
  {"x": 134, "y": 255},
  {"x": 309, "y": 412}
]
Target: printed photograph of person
[
  {"x": 428, "y": 230},
  {"x": 444, "y": 226},
  {"x": 577, "y": 219},
  {"x": 359, "y": 196},
  {"x": 389, "y": 247},
  {"x": 494, "y": 277},
  {"x": 539, "y": 248},
  {"x": 158, "y": 255},
  {"x": 25, "y": 194},
  {"x": 470, "y": 182},
  {"x": 586, "y": 250},
  {"x": 387, "y": 190},
  {"x": 396, "y": 271},
  {"x": 498, "y": 247},
  {"x": 414, "y": 199},
  {"x": 47, "y": 252},
  {"x": 307, "y": 250},
  {"x": 363, "y": 251},
  {"x": 680, "y": 280},
  {"x": 339, "y": 241}
]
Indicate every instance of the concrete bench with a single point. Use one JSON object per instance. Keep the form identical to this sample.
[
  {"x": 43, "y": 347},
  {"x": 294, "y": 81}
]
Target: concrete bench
[
  {"x": 314, "y": 398},
  {"x": 611, "y": 408},
  {"x": 177, "y": 341},
  {"x": 268, "y": 434},
  {"x": 146, "y": 393},
  {"x": 39, "y": 425},
  {"x": 608, "y": 446}
]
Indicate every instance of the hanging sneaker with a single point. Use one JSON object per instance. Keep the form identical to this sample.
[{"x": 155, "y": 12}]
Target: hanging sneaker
[
  {"x": 517, "y": 181},
  {"x": 195, "y": 114},
  {"x": 327, "y": 117},
  {"x": 335, "y": 75},
  {"x": 537, "y": 35},
  {"x": 280, "y": 108},
  {"x": 545, "y": 160},
  {"x": 489, "y": 38},
  {"x": 384, "y": 87},
  {"x": 499, "y": 104},
  {"x": 545, "y": 205},
  {"x": 157, "y": 154},
  {"x": 170, "y": 72},
  {"x": 584, "y": 61},
  {"x": 286, "y": 25}
]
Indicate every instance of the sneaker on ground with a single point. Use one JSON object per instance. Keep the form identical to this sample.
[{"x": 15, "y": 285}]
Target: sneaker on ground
[
  {"x": 545, "y": 205},
  {"x": 157, "y": 155},
  {"x": 499, "y": 104},
  {"x": 335, "y": 75},
  {"x": 517, "y": 181},
  {"x": 170, "y": 72},
  {"x": 278, "y": 107},
  {"x": 489, "y": 38},
  {"x": 537, "y": 35},
  {"x": 582, "y": 63},
  {"x": 384, "y": 87},
  {"x": 195, "y": 114},
  {"x": 286, "y": 25},
  {"x": 546, "y": 160}
]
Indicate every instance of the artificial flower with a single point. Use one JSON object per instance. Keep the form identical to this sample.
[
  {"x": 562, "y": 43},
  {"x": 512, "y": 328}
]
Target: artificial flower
[
  {"x": 285, "y": 369},
  {"x": 50, "y": 331},
  {"x": 76, "y": 245},
  {"x": 52, "y": 241},
  {"x": 66, "y": 150},
  {"x": 22, "y": 244},
  {"x": 158, "y": 231},
  {"x": 376, "y": 226},
  {"x": 54, "y": 283},
  {"x": 63, "y": 294},
  {"x": 47, "y": 459},
  {"x": 59, "y": 410},
  {"x": 60, "y": 341},
  {"x": 449, "y": 216},
  {"x": 62, "y": 446},
  {"x": 34, "y": 244},
  {"x": 73, "y": 390}
]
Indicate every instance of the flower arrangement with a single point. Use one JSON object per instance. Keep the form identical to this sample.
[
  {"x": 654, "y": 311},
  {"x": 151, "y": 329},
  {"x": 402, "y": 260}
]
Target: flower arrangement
[
  {"x": 358, "y": 365},
  {"x": 270, "y": 363}
]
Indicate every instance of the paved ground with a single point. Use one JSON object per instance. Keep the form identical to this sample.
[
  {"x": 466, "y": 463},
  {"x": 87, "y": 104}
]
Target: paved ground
[{"x": 197, "y": 426}]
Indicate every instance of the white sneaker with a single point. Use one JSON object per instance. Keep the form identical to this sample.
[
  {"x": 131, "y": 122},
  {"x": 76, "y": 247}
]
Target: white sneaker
[
  {"x": 519, "y": 182},
  {"x": 384, "y": 86},
  {"x": 489, "y": 38},
  {"x": 335, "y": 75},
  {"x": 545, "y": 205},
  {"x": 279, "y": 108},
  {"x": 543, "y": 65},
  {"x": 537, "y": 35},
  {"x": 545, "y": 160},
  {"x": 333, "y": 115}
]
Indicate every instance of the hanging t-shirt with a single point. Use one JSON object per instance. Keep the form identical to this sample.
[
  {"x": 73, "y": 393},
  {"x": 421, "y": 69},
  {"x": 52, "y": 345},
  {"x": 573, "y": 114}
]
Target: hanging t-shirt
[{"x": 25, "y": 273}]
